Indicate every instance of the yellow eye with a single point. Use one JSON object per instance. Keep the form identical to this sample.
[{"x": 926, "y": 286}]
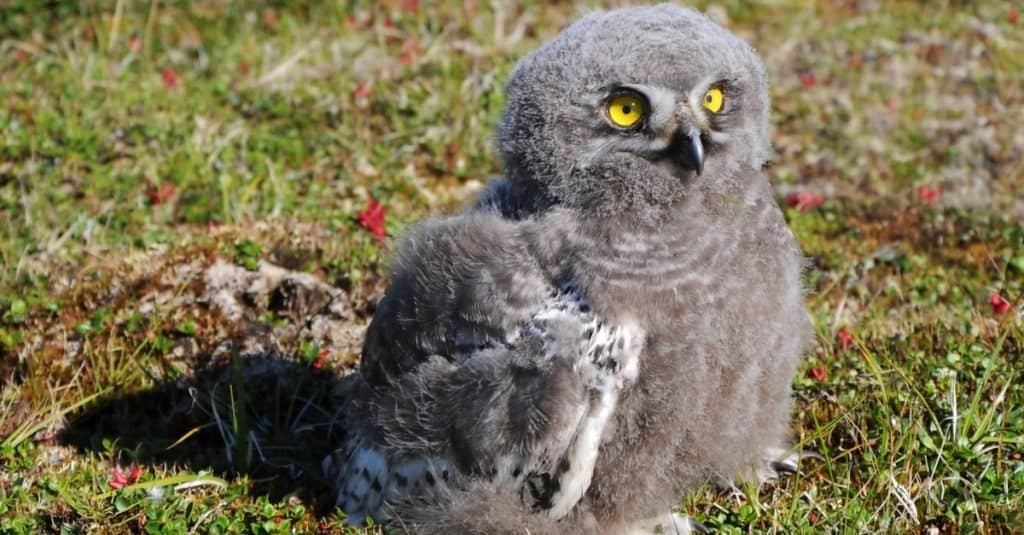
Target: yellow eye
[
  {"x": 625, "y": 111},
  {"x": 714, "y": 99}
]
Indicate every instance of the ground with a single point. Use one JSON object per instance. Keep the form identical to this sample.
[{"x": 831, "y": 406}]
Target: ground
[{"x": 190, "y": 248}]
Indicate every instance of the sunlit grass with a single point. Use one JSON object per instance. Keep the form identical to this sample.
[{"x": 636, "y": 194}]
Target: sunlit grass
[{"x": 140, "y": 141}]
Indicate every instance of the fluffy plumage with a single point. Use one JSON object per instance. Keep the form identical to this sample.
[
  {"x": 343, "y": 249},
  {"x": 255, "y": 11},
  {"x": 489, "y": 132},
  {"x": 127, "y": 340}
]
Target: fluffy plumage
[{"x": 613, "y": 323}]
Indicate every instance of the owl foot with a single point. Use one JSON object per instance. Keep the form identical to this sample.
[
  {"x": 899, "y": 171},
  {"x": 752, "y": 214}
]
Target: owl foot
[
  {"x": 779, "y": 462},
  {"x": 668, "y": 524}
]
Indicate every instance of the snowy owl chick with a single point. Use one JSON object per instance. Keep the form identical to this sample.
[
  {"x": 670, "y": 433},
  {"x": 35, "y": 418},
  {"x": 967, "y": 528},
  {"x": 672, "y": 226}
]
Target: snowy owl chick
[{"x": 613, "y": 323}]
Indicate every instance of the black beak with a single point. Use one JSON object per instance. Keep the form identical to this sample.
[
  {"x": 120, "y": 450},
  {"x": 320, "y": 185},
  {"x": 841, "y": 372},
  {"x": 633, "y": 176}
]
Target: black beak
[{"x": 688, "y": 150}]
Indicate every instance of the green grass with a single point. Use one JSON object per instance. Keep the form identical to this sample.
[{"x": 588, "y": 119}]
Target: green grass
[{"x": 142, "y": 140}]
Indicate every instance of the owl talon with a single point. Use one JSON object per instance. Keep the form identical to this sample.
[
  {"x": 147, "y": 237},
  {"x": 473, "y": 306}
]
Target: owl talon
[
  {"x": 780, "y": 462},
  {"x": 698, "y": 527},
  {"x": 784, "y": 467}
]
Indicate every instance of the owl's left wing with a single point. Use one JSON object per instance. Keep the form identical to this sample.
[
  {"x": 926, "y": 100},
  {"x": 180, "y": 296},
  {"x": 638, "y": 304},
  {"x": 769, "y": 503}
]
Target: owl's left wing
[
  {"x": 484, "y": 363},
  {"x": 527, "y": 416},
  {"x": 461, "y": 285}
]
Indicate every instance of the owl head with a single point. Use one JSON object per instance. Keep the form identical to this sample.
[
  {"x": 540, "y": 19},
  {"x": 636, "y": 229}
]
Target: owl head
[{"x": 627, "y": 112}]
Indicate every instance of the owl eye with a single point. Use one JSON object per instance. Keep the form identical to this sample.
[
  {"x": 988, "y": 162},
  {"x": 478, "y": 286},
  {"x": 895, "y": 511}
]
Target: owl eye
[
  {"x": 626, "y": 110},
  {"x": 714, "y": 99}
]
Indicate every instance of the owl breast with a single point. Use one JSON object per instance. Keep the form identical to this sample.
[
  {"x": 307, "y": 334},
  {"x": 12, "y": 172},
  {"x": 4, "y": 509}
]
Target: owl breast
[
  {"x": 706, "y": 254},
  {"x": 720, "y": 296}
]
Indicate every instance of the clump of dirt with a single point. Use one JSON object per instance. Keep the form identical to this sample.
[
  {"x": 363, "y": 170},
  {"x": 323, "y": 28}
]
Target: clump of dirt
[
  {"x": 242, "y": 365},
  {"x": 185, "y": 308},
  {"x": 196, "y": 311},
  {"x": 313, "y": 312}
]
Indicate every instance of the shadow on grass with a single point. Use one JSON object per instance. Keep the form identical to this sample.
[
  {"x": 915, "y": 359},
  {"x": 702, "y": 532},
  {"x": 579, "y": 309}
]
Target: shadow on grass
[{"x": 269, "y": 418}]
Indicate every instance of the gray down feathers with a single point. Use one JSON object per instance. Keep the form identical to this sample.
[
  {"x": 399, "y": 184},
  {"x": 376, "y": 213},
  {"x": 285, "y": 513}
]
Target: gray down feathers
[{"x": 457, "y": 368}]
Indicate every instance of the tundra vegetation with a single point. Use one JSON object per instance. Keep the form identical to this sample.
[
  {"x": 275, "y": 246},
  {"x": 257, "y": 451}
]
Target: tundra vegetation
[{"x": 198, "y": 203}]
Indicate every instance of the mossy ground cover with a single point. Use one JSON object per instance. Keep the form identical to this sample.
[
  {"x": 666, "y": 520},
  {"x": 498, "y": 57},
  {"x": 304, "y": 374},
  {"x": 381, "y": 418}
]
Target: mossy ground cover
[{"x": 143, "y": 142}]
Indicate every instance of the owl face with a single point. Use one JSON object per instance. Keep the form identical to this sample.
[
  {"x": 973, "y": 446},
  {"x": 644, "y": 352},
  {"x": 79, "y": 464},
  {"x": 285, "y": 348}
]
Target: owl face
[
  {"x": 670, "y": 128},
  {"x": 633, "y": 109}
]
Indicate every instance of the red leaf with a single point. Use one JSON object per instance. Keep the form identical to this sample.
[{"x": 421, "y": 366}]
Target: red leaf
[
  {"x": 999, "y": 304},
  {"x": 808, "y": 79},
  {"x": 118, "y": 479},
  {"x": 321, "y": 360},
  {"x": 134, "y": 475},
  {"x": 270, "y": 18},
  {"x": 803, "y": 201},
  {"x": 410, "y": 51},
  {"x": 19, "y": 55},
  {"x": 410, "y": 6},
  {"x": 170, "y": 77},
  {"x": 161, "y": 194},
  {"x": 373, "y": 218},
  {"x": 362, "y": 91},
  {"x": 928, "y": 194},
  {"x": 845, "y": 338},
  {"x": 1013, "y": 16},
  {"x": 817, "y": 373},
  {"x": 244, "y": 68}
]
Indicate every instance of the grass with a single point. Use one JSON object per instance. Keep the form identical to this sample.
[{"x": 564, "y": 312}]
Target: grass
[{"x": 142, "y": 141}]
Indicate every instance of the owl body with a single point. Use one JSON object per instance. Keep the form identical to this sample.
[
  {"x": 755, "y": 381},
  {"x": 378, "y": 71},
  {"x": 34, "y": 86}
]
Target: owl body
[
  {"x": 614, "y": 322},
  {"x": 724, "y": 327}
]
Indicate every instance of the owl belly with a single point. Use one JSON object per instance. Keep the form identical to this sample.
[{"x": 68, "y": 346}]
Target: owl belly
[{"x": 726, "y": 325}]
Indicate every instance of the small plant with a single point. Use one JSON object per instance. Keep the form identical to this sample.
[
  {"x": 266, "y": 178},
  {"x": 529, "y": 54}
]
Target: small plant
[
  {"x": 187, "y": 328},
  {"x": 16, "y": 312},
  {"x": 247, "y": 253}
]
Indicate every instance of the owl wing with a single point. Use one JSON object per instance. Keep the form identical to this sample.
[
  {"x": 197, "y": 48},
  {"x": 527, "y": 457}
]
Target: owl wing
[
  {"x": 460, "y": 285},
  {"x": 481, "y": 367}
]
